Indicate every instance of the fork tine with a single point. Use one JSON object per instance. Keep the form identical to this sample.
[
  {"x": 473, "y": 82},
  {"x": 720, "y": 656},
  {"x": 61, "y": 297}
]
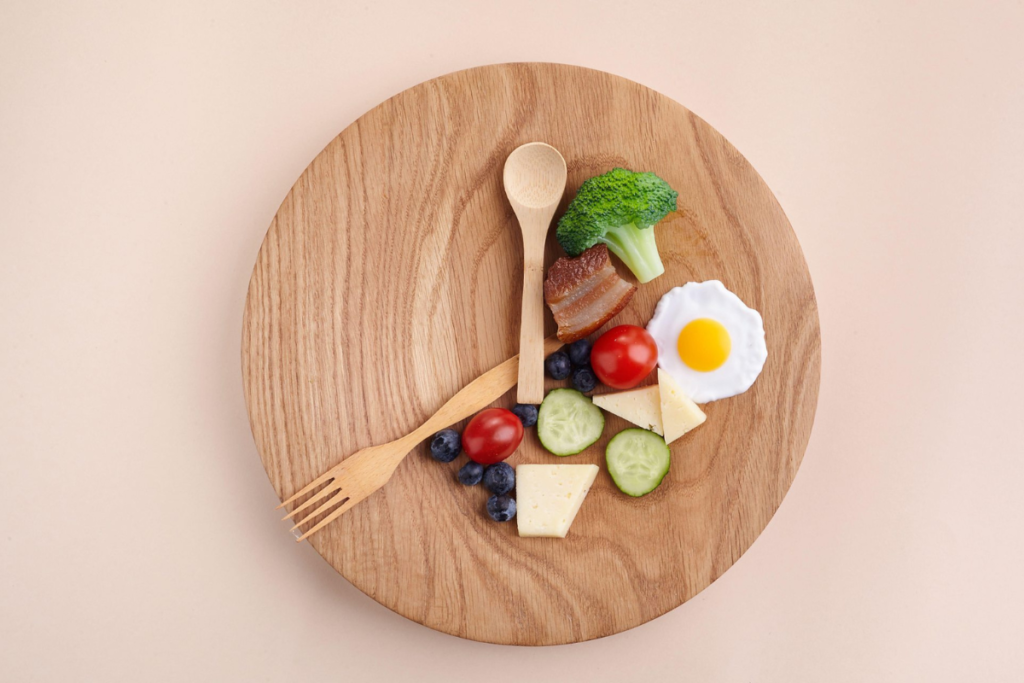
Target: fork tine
[
  {"x": 336, "y": 495},
  {"x": 331, "y": 488},
  {"x": 342, "y": 509},
  {"x": 329, "y": 474}
]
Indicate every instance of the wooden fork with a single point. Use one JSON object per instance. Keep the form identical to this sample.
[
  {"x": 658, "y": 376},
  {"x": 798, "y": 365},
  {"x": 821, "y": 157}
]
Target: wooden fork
[{"x": 359, "y": 475}]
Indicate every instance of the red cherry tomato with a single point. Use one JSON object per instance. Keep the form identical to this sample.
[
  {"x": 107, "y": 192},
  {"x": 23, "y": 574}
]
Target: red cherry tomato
[
  {"x": 492, "y": 435},
  {"x": 623, "y": 356}
]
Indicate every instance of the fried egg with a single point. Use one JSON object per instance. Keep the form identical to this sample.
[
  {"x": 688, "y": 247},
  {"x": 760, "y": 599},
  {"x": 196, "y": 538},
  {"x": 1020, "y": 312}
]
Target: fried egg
[{"x": 708, "y": 340}]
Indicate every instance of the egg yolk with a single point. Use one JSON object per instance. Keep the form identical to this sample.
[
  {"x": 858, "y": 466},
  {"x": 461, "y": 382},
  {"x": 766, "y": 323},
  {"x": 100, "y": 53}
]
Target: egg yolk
[{"x": 704, "y": 344}]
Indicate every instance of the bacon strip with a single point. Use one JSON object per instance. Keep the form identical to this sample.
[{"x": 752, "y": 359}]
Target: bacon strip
[{"x": 585, "y": 292}]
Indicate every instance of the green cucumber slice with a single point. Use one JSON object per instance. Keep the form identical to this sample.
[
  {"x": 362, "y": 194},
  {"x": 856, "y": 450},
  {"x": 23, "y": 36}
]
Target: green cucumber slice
[
  {"x": 637, "y": 460},
  {"x": 568, "y": 422}
]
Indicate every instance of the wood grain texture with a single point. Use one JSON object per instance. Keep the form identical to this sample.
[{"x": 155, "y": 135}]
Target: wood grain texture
[{"x": 390, "y": 278}]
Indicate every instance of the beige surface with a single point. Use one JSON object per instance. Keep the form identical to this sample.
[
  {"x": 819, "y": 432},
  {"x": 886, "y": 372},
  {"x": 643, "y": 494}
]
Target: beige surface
[
  {"x": 142, "y": 155},
  {"x": 390, "y": 277}
]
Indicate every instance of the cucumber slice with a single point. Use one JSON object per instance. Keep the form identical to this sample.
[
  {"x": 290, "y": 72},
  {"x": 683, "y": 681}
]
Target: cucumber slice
[
  {"x": 568, "y": 422},
  {"x": 637, "y": 461}
]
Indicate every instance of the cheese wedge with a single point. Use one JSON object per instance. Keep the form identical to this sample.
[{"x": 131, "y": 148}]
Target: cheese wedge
[
  {"x": 678, "y": 413},
  {"x": 641, "y": 406},
  {"x": 549, "y": 496}
]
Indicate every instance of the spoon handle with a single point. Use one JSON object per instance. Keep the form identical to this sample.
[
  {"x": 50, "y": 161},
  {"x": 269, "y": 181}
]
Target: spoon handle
[{"x": 531, "y": 332}]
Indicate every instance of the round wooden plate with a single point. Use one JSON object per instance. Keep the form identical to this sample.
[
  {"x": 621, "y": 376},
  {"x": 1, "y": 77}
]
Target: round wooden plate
[{"x": 390, "y": 278}]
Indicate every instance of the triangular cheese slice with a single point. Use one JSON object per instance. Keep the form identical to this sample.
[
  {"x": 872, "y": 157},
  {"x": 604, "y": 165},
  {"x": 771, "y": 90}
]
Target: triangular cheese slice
[
  {"x": 678, "y": 413},
  {"x": 640, "y": 406},
  {"x": 549, "y": 496}
]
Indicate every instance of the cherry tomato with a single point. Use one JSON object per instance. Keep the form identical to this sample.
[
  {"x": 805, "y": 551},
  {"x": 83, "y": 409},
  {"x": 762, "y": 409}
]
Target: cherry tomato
[
  {"x": 492, "y": 435},
  {"x": 623, "y": 356}
]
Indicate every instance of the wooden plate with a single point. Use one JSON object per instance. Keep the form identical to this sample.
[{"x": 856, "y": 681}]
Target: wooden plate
[{"x": 390, "y": 278}]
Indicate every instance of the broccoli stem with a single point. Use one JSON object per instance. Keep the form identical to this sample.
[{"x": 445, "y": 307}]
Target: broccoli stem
[{"x": 636, "y": 247}]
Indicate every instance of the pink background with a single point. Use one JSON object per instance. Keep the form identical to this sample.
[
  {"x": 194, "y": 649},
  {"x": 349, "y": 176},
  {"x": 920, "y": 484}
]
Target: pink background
[{"x": 144, "y": 148}]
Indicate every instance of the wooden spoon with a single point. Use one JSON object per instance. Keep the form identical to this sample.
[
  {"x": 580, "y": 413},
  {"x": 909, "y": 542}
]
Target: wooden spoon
[{"x": 534, "y": 182}]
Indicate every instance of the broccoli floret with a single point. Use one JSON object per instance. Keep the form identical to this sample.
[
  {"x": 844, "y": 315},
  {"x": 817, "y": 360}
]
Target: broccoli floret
[{"x": 619, "y": 209}]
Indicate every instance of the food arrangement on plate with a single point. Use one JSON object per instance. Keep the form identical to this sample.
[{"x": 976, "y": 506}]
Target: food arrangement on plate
[
  {"x": 705, "y": 343},
  {"x": 384, "y": 307}
]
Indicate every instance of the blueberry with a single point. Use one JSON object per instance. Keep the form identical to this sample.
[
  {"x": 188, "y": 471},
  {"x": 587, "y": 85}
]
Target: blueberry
[
  {"x": 558, "y": 365},
  {"x": 526, "y": 413},
  {"x": 445, "y": 445},
  {"x": 501, "y": 508},
  {"x": 583, "y": 380},
  {"x": 579, "y": 353},
  {"x": 500, "y": 478},
  {"x": 471, "y": 473}
]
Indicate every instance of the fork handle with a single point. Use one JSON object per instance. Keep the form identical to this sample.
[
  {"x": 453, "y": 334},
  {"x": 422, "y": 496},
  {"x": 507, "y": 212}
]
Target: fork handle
[{"x": 485, "y": 389}]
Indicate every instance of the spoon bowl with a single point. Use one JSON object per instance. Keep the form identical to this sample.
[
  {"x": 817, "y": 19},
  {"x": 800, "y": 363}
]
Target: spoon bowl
[{"x": 535, "y": 176}]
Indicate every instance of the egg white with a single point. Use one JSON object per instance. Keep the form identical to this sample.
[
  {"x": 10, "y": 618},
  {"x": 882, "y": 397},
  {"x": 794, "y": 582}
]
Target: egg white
[{"x": 710, "y": 299}]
